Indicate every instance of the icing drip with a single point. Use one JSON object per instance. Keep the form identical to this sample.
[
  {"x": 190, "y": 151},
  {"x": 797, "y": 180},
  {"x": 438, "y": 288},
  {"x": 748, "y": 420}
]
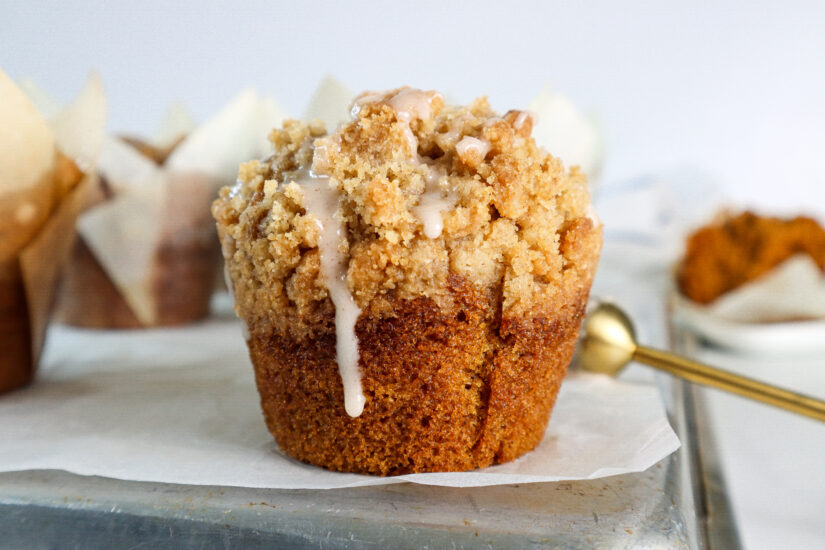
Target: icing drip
[
  {"x": 432, "y": 203},
  {"x": 227, "y": 278},
  {"x": 522, "y": 117},
  {"x": 471, "y": 145},
  {"x": 236, "y": 189},
  {"x": 362, "y": 100},
  {"x": 409, "y": 105},
  {"x": 412, "y": 141},
  {"x": 591, "y": 213},
  {"x": 413, "y": 104},
  {"x": 321, "y": 200}
]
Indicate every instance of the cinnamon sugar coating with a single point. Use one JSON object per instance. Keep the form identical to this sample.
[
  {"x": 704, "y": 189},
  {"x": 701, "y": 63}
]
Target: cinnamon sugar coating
[
  {"x": 740, "y": 248},
  {"x": 468, "y": 318}
]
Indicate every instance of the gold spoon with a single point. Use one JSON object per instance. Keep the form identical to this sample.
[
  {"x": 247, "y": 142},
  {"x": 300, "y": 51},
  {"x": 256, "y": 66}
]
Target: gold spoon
[{"x": 608, "y": 343}]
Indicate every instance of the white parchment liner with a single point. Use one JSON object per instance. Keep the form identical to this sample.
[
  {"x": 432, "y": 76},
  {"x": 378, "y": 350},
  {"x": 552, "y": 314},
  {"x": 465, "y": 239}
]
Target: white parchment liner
[{"x": 180, "y": 406}]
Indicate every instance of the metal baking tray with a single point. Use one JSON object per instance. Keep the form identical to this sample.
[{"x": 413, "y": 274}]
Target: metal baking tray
[{"x": 678, "y": 503}]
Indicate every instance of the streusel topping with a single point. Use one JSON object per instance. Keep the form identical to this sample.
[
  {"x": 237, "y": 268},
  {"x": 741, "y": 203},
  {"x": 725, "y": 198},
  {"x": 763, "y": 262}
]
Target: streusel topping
[{"x": 424, "y": 191}]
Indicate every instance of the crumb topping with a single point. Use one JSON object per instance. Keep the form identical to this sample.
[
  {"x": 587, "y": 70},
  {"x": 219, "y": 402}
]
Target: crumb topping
[{"x": 424, "y": 190}]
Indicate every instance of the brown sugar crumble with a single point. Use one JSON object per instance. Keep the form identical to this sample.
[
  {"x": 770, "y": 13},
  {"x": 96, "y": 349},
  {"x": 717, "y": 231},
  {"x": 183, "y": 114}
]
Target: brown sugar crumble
[
  {"x": 737, "y": 249},
  {"x": 469, "y": 252}
]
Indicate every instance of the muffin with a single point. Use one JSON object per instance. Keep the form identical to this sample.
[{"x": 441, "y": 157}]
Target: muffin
[
  {"x": 40, "y": 196},
  {"x": 149, "y": 254},
  {"x": 739, "y": 248},
  {"x": 184, "y": 263},
  {"x": 412, "y": 283}
]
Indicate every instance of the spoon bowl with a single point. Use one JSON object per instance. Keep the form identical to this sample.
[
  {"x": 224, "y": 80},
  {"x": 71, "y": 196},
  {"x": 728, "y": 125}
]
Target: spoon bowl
[{"x": 608, "y": 340}]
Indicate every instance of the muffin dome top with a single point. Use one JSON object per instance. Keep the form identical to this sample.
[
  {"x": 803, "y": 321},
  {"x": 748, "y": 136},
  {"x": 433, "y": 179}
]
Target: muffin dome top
[{"x": 417, "y": 191}]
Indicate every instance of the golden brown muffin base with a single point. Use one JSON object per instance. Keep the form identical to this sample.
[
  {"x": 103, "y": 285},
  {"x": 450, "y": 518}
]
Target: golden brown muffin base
[
  {"x": 183, "y": 279},
  {"x": 445, "y": 390}
]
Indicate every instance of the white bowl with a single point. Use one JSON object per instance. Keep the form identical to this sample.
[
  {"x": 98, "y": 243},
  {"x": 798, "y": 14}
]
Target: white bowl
[{"x": 786, "y": 337}]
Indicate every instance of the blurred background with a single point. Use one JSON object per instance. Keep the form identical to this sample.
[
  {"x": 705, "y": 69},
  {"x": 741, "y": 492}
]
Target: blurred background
[{"x": 729, "y": 90}]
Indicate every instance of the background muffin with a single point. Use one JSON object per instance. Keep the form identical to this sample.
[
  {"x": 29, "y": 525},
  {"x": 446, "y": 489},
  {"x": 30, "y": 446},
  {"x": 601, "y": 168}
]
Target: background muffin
[
  {"x": 184, "y": 262},
  {"x": 40, "y": 196},
  {"x": 438, "y": 254},
  {"x": 148, "y": 254}
]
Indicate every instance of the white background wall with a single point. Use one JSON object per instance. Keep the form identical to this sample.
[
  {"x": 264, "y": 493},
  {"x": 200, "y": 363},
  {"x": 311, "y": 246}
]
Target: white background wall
[{"x": 734, "y": 89}]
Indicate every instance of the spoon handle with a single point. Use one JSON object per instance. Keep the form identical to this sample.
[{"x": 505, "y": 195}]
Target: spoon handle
[{"x": 723, "y": 380}]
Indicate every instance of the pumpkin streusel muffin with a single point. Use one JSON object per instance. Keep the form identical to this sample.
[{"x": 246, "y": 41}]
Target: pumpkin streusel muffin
[{"x": 413, "y": 283}]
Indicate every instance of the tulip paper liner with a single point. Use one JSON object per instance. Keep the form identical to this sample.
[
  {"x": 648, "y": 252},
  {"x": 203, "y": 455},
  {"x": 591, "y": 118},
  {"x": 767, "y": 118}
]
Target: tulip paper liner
[{"x": 30, "y": 282}]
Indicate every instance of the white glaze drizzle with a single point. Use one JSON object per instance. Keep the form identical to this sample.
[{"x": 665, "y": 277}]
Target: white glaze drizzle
[
  {"x": 412, "y": 141},
  {"x": 362, "y": 100},
  {"x": 432, "y": 202},
  {"x": 321, "y": 200},
  {"x": 235, "y": 190},
  {"x": 411, "y": 104},
  {"x": 593, "y": 216},
  {"x": 522, "y": 117},
  {"x": 227, "y": 278},
  {"x": 470, "y": 144}
]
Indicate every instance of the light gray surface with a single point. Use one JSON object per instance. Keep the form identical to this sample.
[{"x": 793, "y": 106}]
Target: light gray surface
[
  {"x": 615, "y": 513},
  {"x": 772, "y": 459}
]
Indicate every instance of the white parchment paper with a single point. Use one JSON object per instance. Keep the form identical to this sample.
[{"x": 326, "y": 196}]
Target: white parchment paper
[
  {"x": 180, "y": 406},
  {"x": 794, "y": 290}
]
